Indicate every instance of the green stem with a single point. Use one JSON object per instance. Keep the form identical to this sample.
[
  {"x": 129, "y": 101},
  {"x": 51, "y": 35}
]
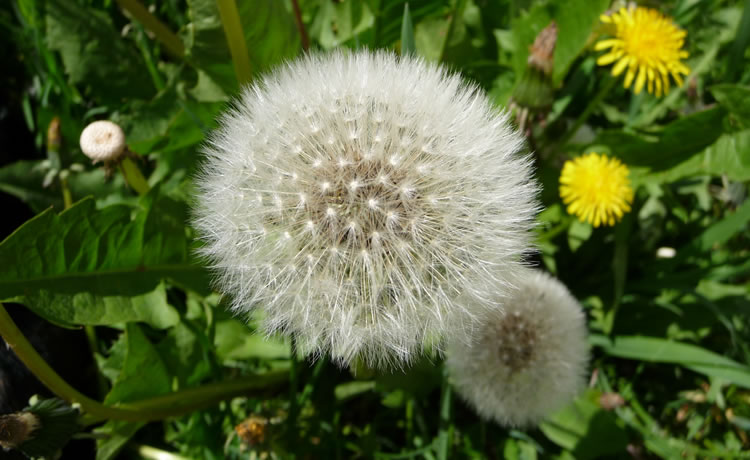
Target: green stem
[
  {"x": 133, "y": 176},
  {"x": 293, "y": 408},
  {"x": 152, "y": 453},
  {"x": 67, "y": 196},
  {"x": 163, "y": 35},
  {"x": 446, "y": 429},
  {"x": 305, "y": 40},
  {"x": 603, "y": 91},
  {"x": 230, "y": 19},
  {"x": 457, "y": 12},
  {"x": 157, "y": 408}
]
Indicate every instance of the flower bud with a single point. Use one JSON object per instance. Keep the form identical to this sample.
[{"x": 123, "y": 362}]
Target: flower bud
[{"x": 15, "y": 429}]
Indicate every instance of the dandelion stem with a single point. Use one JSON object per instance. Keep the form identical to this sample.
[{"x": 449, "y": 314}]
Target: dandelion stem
[
  {"x": 593, "y": 104},
  {"x": 67, "y": 196},
  {"x": 160, "y": 407},
  {"x": 163, "y": 35},
  {"x": 300, "y": 25},
  {"x": 446, "y": 429},
  {"x": 133, "y": 176},
  {"x": 230, "y": 19}
]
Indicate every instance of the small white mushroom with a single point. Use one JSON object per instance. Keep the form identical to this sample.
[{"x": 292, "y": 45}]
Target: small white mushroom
[{"x": 102, "y": 141}]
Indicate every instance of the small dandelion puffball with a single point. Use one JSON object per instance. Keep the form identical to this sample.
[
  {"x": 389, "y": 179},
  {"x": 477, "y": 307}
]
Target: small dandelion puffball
[
  {"x": 102, "y": 141},
  {"x": 361, "y": 201},
  {"x": 529, "y": 358}
]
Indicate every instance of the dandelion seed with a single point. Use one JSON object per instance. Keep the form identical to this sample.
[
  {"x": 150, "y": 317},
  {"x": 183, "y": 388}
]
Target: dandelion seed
[
  {"x": 596, "y": 188},
  {"x": 648, "y": 45},
  {"x": 396, "y": 238},
  {"x": 529, "y": 357}
]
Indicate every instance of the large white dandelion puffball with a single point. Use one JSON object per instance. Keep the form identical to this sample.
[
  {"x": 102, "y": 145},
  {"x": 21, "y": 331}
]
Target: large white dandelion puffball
[
  {"x": 529, "y": 358},
  {"x": 362, "y": 202}
]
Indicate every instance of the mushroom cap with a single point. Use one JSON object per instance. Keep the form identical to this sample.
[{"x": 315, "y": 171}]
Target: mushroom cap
[{"x": 102, "y": 141}]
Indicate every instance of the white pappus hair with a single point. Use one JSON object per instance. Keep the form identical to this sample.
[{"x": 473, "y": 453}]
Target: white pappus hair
[
  {"x": 362, "y": 202},
  {"x": 529, "y": 358}
]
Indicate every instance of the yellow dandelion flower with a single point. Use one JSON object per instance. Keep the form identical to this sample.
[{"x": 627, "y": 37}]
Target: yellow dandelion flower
[
  {"x": 596, "y": 188},
  {"x": 647, "y": 44}
]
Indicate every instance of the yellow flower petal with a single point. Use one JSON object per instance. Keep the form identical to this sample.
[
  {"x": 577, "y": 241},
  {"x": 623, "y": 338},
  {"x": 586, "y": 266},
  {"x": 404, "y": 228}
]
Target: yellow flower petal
[
  {"x": 649, "y": 44},
  {"x": 596, "y": 189}
]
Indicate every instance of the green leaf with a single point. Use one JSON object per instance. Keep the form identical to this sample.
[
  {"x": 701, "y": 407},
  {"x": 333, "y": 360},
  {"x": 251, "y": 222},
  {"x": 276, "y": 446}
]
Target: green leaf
[
  {"x": 340, "y": 22},
  {"x": 85, "y": 308},
  {"x": 586, "y": 429},
  {"x": 235, "y": 341},
  {"x": 185, "y": 355},
  {"x": 576, "y": 20},
  {"x": 23, "y": 179},
  {"x": 578, "y": 233},
  {"x": 270, "y": 34},
  {"x": 727, "y": 156},
  {"x": 408, "y": 45},
  {"x": 679, "y": 141},
  {"x": 94, "y": 53},
  {"x": 143, "y": 373},
  {"x": 721, "y": 231},
  {"x": 693, "y": 357},
  {"x": 735, "y": 99},
  {"x": 102, "y": 252},
  {"x": 116, "y": 435}
]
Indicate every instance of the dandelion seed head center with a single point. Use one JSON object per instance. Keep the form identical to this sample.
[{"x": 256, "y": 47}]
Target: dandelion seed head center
[
  {"x": 349, "y": 201},
  {"x": 515, "y": 338}
]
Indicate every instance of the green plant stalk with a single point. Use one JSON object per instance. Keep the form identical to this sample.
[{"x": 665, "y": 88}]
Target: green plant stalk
[
  {"x": 67, "y": 196},
  {"x": 156, "y": 408},
  {"x": 230, "y": 19},
  {"x": 163, "y": 35},
  {"x": 293, "y": 408},
  {"x": 593, "y": 104},
  {"x": 457, "y": 11},
  {"x": 446, "y": 428},
  {"x": 152, "y": 453},
  {"x": 133, "y": 176}
]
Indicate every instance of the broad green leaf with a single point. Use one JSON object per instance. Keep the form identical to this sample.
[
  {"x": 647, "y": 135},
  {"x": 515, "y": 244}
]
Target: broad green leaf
[
  {"x": 735, "y": 99},
  {"x": 344, "y": 391},
  {"x": 408, "y": 46},
  {"x": 115, "y": 434},
  {"x": 586, "y": 429},
  {"x": 679, "y": 141},
  {"x": 693, "y": 357},
  {"x": 729, "y": 155},
  {"x": 185, "y": 354},
  {"x": 578, "y": 233},
  {"x": 101, "y": 252},
  {"x": 85, "y": 308},
  {"x": 235, "y": 341},
  {"x": 94, "y": 53},
  {"x": 143, "y": 373},
  {"x": 270, "y": 33},
  {"x": 720, "y": 232},
  {"x": 576, "y": 20}
]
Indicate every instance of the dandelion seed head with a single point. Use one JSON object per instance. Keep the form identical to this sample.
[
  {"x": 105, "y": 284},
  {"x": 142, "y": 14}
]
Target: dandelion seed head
[
  {"x": 102, "y": 141},
  {"x": 648, "y": 45},
  {"x": 596, "y": 188},
  {"x": 396, "y": 238},
  {"x": 529, "y": 358}
]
